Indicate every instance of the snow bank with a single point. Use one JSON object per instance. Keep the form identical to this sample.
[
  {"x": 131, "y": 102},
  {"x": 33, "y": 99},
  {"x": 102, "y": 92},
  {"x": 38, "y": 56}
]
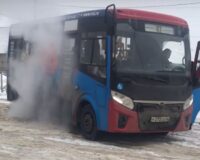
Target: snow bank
[
  {"x": 3, "y": 94},
  {"x": 198, "y": 118}
]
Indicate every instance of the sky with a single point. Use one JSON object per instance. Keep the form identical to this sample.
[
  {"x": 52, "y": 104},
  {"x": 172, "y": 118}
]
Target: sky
[{"x": 12, "y": 11}]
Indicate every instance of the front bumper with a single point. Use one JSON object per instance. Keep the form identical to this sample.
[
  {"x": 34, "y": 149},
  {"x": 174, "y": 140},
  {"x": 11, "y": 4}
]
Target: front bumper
[{"x": 121, "y": 119}]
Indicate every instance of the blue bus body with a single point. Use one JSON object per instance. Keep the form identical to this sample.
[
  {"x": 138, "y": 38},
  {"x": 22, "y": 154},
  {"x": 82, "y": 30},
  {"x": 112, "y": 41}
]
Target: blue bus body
[{"x": 196, "y": 104}]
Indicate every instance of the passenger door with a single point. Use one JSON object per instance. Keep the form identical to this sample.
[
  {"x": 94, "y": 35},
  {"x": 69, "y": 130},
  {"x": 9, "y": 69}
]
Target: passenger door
[
  {"x": 93, "y": 77},
  {"x": 196, "y": 83}
]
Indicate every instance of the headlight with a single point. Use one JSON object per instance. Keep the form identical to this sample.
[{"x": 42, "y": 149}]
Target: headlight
[
  {"x": 122, "y": 99},
  {"x": 188, "y": 103}
]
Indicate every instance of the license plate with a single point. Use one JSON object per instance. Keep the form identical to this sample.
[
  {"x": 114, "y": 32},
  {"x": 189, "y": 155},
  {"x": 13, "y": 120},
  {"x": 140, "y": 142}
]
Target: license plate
[{"x": 160, "y": 119}]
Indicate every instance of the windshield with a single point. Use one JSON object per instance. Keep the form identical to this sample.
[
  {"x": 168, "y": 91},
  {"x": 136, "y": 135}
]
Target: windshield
[{"x": 156, "y": 48}]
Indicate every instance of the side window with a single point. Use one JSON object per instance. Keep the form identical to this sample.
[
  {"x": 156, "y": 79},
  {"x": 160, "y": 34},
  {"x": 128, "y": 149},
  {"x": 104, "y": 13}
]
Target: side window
[
  {"x": 99, "y": 56},
  {"x": 86, "y": 51},
  {"x": 12, "y": 47},
  {"x": 16, "y": 47},
  {"x": 66, "y": 61},
  {"x": 196, "y": 67},
  {"x": 197, "y": 57},
  {"x": 19, "y": 47},
  {"x": 198, "y": 63},
  {"x": 69, "y": 46},
  {"x": 93, "y": 55},
  {"x": 26, "y": 51},
  {"x": 67, "y": 58}
]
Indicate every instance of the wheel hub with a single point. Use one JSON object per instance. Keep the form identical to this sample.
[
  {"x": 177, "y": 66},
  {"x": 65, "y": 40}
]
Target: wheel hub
[{"x": 88, "y": 122}]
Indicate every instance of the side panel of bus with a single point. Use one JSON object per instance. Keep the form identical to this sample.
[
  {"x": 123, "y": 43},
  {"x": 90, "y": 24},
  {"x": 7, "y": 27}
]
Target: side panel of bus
[{"x": 92, "y": 76}]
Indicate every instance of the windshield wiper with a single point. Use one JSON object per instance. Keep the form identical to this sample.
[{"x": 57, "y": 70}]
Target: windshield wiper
[
  {"x": 130, "y": 80},
  {"x": 175, "y": 69},
  {"x": 126, "y": 79},
  {"x": 157, "y": 79}
]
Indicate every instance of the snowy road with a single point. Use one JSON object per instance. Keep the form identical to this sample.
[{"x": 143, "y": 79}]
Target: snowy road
[{"x": 32, "y": 141}]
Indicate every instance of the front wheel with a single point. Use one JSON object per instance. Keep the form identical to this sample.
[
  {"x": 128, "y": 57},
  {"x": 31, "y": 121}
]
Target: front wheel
[{"x": 88, "y": 124}]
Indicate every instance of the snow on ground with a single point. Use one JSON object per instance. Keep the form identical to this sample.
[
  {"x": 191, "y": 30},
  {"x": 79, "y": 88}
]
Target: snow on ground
[
  {"x": 188, "y": 140},
  {"x": 36, "y": 141},
  {"x": 3, "y": 94},
  {"x": 198, "y": 118}
]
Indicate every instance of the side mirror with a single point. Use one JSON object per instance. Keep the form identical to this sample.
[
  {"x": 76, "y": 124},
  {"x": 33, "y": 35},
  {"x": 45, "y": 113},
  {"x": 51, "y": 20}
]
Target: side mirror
[
  {"x": 109, "y": 19},
  {"x": 196, "y": 67}
]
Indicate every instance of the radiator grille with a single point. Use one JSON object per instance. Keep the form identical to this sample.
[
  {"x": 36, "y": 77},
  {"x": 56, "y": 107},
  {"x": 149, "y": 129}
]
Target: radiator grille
[{"x": 158, "y": 116}]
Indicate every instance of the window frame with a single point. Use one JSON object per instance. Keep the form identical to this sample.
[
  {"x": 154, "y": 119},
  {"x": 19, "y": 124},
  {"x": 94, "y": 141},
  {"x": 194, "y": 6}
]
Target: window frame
[
  {"x": 92, "y": 50},
  {"x": 85, "y": 67}
]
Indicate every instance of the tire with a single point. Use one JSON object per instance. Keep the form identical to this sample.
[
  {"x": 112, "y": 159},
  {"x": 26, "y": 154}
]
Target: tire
[{"x": 88, "y": 124}]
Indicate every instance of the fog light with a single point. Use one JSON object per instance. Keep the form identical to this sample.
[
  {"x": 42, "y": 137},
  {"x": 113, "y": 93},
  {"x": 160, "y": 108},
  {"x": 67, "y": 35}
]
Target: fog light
[{"x": 122, "y": 121}]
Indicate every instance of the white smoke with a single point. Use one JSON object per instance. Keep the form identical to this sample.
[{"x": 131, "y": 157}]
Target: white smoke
[{"x": 38, "y": 77}]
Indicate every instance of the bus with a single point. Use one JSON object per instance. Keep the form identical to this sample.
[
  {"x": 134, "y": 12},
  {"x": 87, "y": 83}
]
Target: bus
[{"x": 133, "y": 71}]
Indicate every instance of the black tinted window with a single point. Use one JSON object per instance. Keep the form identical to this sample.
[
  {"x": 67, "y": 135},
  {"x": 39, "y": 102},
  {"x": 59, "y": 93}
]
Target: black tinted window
[
  {"x": 93, "y": 55},
  {"x": 99, "y": 56},
  {"x": 93, "y": 49}
]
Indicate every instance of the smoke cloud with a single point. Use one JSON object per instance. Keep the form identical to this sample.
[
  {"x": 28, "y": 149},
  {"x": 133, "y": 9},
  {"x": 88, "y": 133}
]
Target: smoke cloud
[{"x": 40, "y": 74}]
